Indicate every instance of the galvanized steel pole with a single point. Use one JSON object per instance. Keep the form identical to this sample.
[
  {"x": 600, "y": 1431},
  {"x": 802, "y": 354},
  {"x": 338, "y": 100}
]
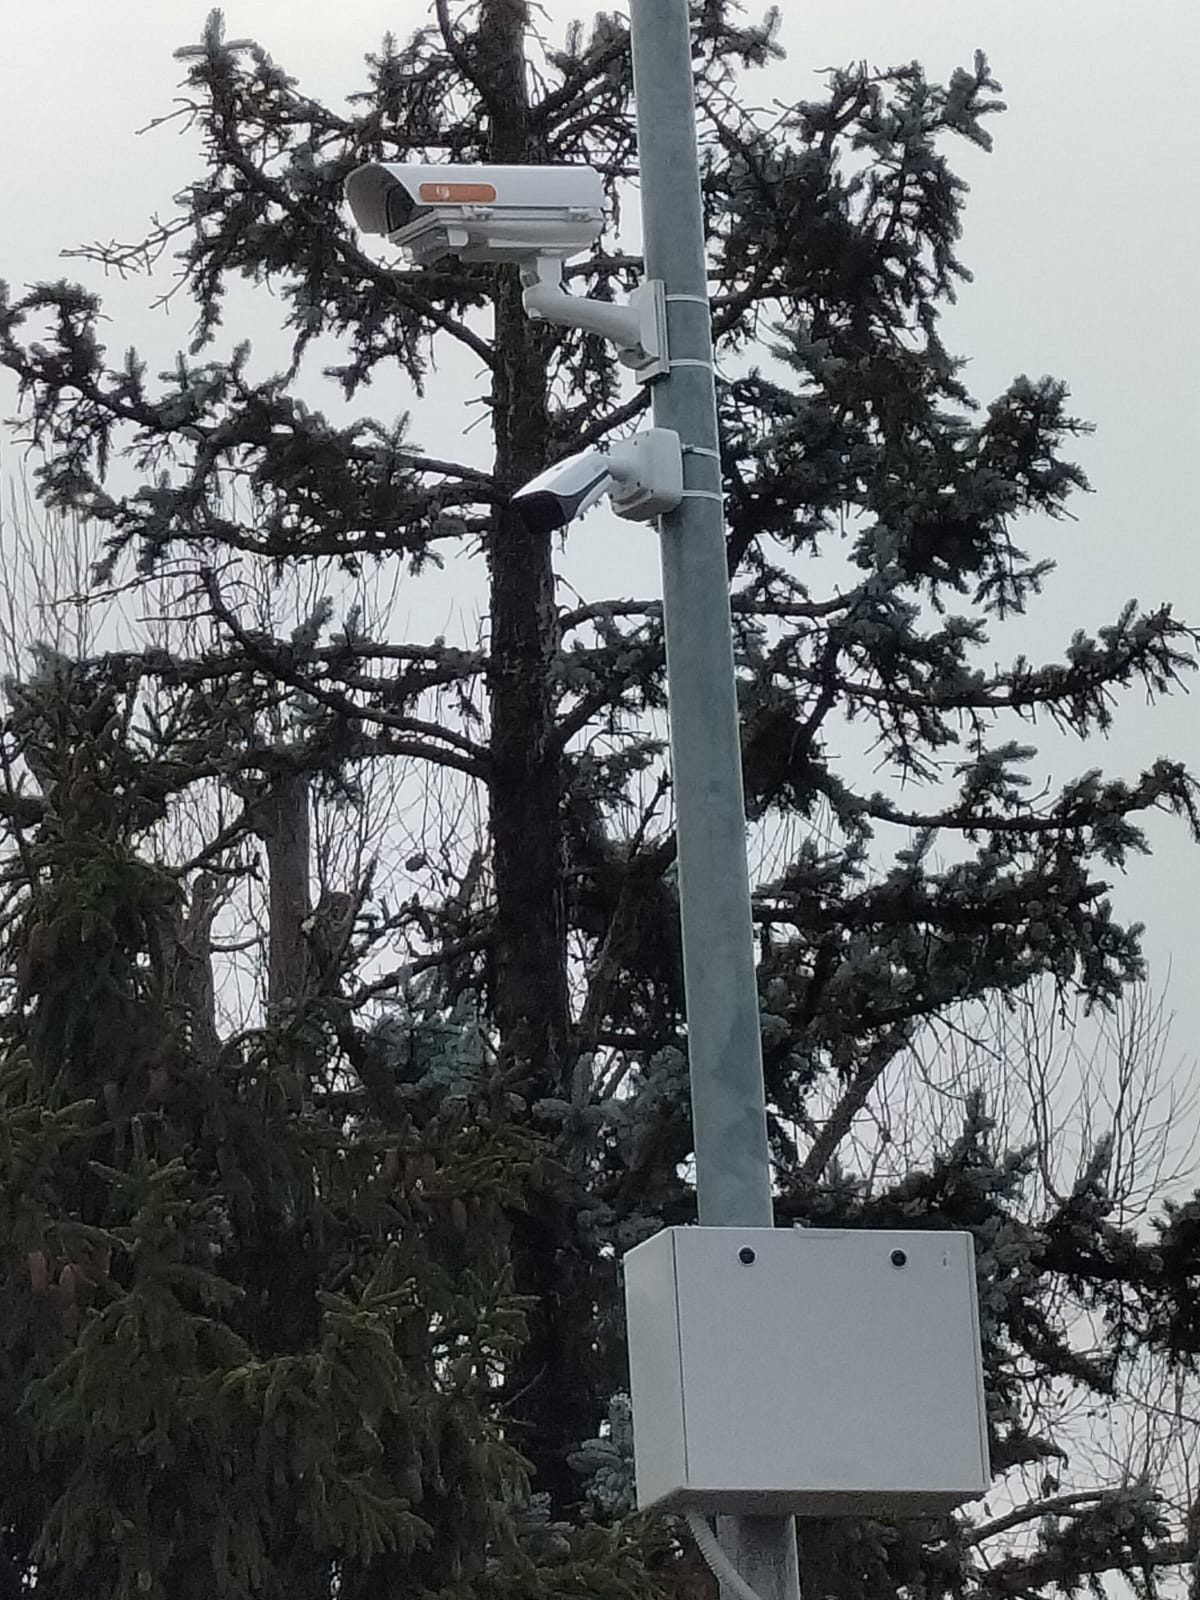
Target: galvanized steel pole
[{"x": 733, "y": 1176}]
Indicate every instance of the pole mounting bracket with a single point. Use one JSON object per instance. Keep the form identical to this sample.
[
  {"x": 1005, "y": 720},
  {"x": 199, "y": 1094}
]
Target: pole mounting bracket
[{"x": 638, "y": 328}]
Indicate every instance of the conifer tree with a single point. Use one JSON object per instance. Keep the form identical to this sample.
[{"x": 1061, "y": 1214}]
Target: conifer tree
[
  {"x": 847, "y": 430},
  {"x": 242, "y": 1343}
]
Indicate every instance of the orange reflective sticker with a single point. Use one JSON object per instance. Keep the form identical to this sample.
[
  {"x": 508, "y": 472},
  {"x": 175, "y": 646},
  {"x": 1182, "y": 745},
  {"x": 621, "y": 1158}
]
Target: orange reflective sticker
[{"x": 442, "y": 194}]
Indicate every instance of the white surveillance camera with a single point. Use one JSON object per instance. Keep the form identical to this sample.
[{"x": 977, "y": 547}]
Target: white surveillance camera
[
  {"x": 537, "y": 216},
  {"x": 643, "y": 476},
  {"x": 564, "y": 491},
  {"x": 479, "y": 213}
]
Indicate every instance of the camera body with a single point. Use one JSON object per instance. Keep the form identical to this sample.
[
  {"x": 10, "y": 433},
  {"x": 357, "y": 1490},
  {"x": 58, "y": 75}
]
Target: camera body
[
  {"x": 642, "y": 476},
  {"x": 537, "y": 217},
  {"x": 479, "y": 213}
]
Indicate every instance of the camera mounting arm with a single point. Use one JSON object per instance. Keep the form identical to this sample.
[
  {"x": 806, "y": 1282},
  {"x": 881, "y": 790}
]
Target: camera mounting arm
[
  {"x": 638, "y": 328},
  {"x": 538, "y": 217}
]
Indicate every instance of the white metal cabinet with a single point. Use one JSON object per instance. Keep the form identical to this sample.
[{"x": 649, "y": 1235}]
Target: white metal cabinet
[{"x": 834, "y": 1371}]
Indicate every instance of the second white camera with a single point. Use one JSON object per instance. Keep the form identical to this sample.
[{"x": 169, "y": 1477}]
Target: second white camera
[{"x": 642, "y": 476}]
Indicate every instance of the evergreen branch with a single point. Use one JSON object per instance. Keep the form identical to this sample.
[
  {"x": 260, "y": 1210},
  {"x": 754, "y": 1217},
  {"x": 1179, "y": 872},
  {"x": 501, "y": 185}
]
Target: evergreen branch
[
  {"x": 605, "y": 697},
  {"x": 741, "y": 605},
  {"x": 1034, "y": 1511},
  {"x": 641, "y": 868},
  {"x": 560, "y": 100},
  {"x": 824, "y": 703},
  {"x": 904, "y": 905},
  {"x": 454, "y": 49},
  {"x": 464, "y": 754},
  {"x": 604, "y": 610},
  {"x": 596, "y": 432},
  {"x": 939, "y": 697},
  {"x": 480, "y": 940},
  {"x": 749, "y": 605},
  {"x": 210, "y": 668},
  {"x": 229, "y": 835},
  {"x": 381, "y": 277},
  {"x": 852, "y": 1100},
  {"x": 602, "y": 266},
  {"x": 1136, "y": 646},
  {"x": 336, "y": 543},
  {"x": 1016, "y": 1576},
  {"x": 1167, "y": 785}
]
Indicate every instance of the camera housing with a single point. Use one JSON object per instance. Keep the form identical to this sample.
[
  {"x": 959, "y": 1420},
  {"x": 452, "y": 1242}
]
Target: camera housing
[
  {"x": 538, "y": 217},
  {"x": 642, "y": 475},
  {"x": 479, "y": 213}
]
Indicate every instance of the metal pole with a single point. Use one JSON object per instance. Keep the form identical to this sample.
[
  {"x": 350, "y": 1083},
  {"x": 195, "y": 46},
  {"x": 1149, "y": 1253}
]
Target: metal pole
[{"x": 733, "y": 1176}]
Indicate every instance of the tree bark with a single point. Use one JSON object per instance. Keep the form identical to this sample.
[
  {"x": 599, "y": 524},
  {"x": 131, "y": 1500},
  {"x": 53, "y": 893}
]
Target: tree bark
[
  {"x": 283, "y": 827},
  {"x": 192, "y": 982},
  {"x": 552, "y": 1410}
]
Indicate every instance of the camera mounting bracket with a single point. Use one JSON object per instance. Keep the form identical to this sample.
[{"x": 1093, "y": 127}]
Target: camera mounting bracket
[{"x": 638, "y": 328}]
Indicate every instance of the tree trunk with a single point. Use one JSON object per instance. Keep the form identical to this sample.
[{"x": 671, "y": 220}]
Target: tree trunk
[
  {"x": 282, "y": 1265},
  {"x": 552, "y": 1411},
  {"x": 283, "y": 826},
  {"x": 193, "y": 986}
]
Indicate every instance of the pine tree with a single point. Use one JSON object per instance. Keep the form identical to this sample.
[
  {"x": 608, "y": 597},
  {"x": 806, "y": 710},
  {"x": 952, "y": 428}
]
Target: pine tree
[
  {"x": 833, "y": 231},
  {"x": 241, "y": 1346}
]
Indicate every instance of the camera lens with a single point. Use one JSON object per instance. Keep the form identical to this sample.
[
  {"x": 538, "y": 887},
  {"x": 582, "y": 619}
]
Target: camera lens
[
  {"x": 745, "y": 1255},
  {"x": 400, "y": 208},
  {"x": 899, "y": 1258}
]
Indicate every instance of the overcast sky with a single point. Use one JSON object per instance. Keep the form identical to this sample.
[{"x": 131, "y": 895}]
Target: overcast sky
[{"x": 1083, "y": 232}]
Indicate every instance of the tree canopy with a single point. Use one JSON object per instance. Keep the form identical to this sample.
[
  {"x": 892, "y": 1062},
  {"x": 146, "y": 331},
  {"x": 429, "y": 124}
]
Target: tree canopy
[{"x": 323, "y": 1298}]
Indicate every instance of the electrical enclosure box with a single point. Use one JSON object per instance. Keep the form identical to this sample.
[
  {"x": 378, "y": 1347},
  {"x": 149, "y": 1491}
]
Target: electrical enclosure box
[{"x": 806, "y": 1370}]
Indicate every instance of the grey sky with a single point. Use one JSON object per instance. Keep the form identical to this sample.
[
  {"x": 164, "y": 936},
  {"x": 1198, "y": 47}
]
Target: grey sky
[{"x": 1083, "y": 232}]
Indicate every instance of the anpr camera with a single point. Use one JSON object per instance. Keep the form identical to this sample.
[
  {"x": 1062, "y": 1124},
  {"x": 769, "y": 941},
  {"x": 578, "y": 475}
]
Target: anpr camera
[{"x": 479, "y": 213}]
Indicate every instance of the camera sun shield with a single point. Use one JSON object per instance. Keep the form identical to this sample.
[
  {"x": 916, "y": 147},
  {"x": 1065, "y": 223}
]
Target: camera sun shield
[{"x": 479, "y": 213}]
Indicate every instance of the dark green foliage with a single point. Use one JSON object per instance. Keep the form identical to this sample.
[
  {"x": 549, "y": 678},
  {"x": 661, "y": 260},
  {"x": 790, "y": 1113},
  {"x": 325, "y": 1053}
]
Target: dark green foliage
[
  {"x": 284, "y": 1304},
  {"x": 241, "y": 1348}
]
